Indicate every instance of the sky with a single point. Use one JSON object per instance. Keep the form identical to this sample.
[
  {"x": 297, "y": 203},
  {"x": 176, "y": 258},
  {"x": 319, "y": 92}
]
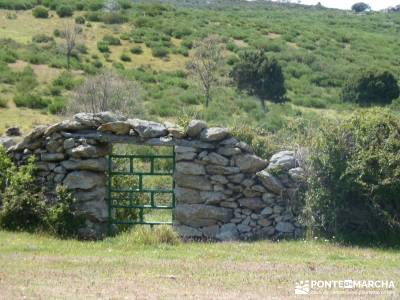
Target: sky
[{"x": 346, "y": 4}]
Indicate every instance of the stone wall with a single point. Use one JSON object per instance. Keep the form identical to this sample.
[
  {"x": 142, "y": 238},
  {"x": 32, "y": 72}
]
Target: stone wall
[{"x": 223, "y": 190}]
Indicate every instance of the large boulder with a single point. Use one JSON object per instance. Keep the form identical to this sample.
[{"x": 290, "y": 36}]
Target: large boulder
[
  {"x": 187, "y": 231},
  {"x": 216, "y": 159},
  {"x": 198, "y": 215},
  {"x": 193, "y": 182},
  {"x": 195, "y": 127},
  {"x": 285, "y": 227},
  {"x": 84, "y": 180},
  {"x": 250, "y": 163},
  {"x": 214, "y": 134},
  {"x": 283, "y": 160},
  {"x": 97, "y": 164},
  {"x": 189, "y": 196},
  {"x": 95, "y": 210},
  {"x": 190, "y": 168},
  {"x": 13, "y": 131},
  {"x": 252, "y": 203},
  {"x": 228, "y": 232},
  {"x": 148, "y": 129},
  {"x": 89, "y": 151},
  {"x": 118, "y": 128},
  {"x": 270, "y": 182},
  {"x": 7, "y": 142}
]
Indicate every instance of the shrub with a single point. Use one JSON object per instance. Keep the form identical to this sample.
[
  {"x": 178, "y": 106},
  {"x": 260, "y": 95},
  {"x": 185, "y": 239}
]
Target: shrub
[
  {"x": 93, "y": 16},
  {"x": 65, "y": 80},
  {"x": 42, "y": 38},
  {"x": 57, "y": 106},
  {"x": 80, "y": 20},
  {"x": 112, "y": 40},
  {"x": 57, "y": 33},
  {"x": 23, "y": 207},
  {"x": 64, "y": 11},
  {"x": 114, "y": 18},
  {"x": 125, "y": 57},
  {"x": 103, "y": 46},
  {"x": 61, "y": 218},
  {"x": 137, "y": 50},
  {"x": 3, "y": 103},
  {"x": 160, "y": 52},
  {"x": 371, "y": 87},
  {"x": 40, "y": 12},
  {"x": 354, "y": 181},
  {"x": 30, "y": 100}
]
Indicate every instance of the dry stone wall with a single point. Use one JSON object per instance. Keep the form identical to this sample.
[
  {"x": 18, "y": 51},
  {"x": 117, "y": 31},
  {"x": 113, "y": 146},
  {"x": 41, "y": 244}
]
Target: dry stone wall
[{"x": 223, "y": 190}]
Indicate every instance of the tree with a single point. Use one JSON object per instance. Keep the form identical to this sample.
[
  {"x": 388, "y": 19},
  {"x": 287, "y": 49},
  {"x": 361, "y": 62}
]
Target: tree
[
  {"x": 371, "y": 87},
  {"x": 205, "y": 64},
  {"x": 259, "y": 76},
  {"x": 360, "y": 7},
  {"x": 70, "y": 34},
  {"x": 108, "y": 92}
]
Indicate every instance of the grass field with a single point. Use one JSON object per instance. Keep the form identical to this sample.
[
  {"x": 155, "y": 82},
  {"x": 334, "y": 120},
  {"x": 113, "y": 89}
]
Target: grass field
[{"x": 125, "y": 267}]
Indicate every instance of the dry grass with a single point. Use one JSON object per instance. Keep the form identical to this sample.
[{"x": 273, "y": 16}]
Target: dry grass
[
  {"x": 23, "y": 118},
  {"x": 38, "y": 267}
]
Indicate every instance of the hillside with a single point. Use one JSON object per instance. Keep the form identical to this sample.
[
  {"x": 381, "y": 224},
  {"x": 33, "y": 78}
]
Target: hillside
[{"x": 318, "y": 50}]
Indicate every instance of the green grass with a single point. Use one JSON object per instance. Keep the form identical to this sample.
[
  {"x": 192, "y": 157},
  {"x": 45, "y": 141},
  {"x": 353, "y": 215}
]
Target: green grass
[{"x": 133, "y": 265}]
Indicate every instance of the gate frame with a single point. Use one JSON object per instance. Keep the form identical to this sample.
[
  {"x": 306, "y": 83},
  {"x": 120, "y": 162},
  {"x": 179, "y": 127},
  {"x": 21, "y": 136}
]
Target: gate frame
[{"x": 131, "y": 172}]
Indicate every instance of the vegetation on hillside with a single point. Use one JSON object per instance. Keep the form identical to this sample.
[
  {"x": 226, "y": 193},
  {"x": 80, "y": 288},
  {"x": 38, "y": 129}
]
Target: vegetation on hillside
[{"x": 317, "y": 49}]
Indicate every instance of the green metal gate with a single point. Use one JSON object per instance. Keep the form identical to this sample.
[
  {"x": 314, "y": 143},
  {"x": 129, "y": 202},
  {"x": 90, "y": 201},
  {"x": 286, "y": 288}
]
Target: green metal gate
[{"x": 134, "y": 196}]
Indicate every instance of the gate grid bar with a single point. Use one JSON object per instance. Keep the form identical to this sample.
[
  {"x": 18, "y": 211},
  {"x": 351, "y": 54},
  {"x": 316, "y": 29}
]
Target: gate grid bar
[{"x": 113, "y": 201}]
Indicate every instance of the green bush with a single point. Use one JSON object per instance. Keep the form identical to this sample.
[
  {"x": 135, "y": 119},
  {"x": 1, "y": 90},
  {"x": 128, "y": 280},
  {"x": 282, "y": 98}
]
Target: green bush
[
  {"x": 42, "y": 38},
  {"x": 40, "y": 12},
  {"x": 114, "y": 18},
  {"x": 64, "y": 11},
  {"x": 160, "y": 52},
  {"x": 125, "y": 57},
  {"x": 103, "y": 46},
  {"x": 112, "y": 40},
  {"x": 80, "y": 20},
  {"x": 354, "y": 178},
  {"x": 57, "y": 106},
  {"x": 30, "y": 100},
  {"x": 3, "y": 103},
  {"x": 65, "y": 80},
  {"x": 61, "y": 218},
  {"x": 371, "y": 87},
  {"x": 137, "y": 50},
  {"x": 23, "y": 207}
]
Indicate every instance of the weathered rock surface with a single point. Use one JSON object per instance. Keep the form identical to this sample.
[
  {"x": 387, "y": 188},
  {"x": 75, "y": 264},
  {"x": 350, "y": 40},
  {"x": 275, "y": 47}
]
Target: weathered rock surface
[
  {"x": 283, "y": 160},
  {"x": 99, "y": 164},
  {"x": 89, "y": 151},
  {"x": 195, "y": 127},
  {"x": 270, "y": 182},
  {"x": 84, "y": 180},
  {"x": 198, "y": 215},
  {"x": 194, "y": 182},
  {"x": 118, "y": 128},
  {"x": 214, "y": 134},
  {"x": 148, "y": 129},
  {"x": 250, "y": 163},
  {"x": 190, "y": 168},
  {"x": 187, "y": 196}
]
